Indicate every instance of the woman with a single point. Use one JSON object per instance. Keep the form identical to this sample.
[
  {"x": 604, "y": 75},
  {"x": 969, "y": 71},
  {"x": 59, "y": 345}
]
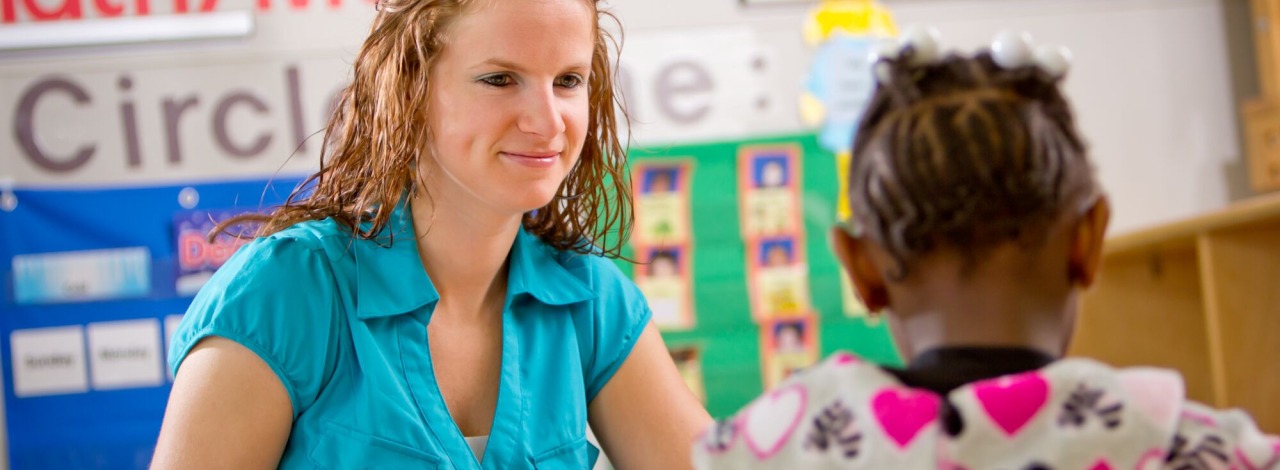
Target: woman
[{"x": 437, "y": 297}]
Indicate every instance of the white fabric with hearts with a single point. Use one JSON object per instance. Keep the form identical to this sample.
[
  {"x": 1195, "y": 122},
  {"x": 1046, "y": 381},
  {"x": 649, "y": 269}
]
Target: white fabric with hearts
[{"x": 1075, "y": 414}]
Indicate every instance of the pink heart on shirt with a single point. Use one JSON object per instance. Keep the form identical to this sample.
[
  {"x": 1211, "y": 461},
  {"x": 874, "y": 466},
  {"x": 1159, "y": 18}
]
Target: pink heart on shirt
[
  {"x": 844, "y": 359},
  {"x": 1101, "y": 464},
  {"x": 768, "y": 423},
  {"x": 1152, "y": 460},
  {"x": 1012, "y": 401},
  {"x": 903, "y": 412}
]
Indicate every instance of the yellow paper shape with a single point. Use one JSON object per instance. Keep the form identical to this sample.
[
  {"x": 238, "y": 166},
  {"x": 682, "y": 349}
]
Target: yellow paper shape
[{"x": 852, "y": 17}]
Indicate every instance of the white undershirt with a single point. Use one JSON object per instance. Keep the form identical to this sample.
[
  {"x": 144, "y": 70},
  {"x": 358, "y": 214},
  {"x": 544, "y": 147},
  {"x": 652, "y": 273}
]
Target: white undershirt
[{"x": 477, "y": 445}]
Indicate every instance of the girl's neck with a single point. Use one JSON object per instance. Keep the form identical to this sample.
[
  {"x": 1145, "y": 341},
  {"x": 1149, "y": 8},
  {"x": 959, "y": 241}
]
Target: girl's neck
[
  {"x": 981, "y": 324},
  {"x": 1007, "y": 302}
]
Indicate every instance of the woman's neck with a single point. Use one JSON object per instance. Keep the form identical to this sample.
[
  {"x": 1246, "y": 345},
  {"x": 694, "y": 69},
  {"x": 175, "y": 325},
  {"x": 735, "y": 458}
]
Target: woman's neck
[{"x": 464, "y": 253}]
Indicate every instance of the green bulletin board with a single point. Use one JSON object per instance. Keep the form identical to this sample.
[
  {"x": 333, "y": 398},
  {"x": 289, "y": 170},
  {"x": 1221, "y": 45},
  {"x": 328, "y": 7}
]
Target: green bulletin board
[{"x": 724, "y": 332}]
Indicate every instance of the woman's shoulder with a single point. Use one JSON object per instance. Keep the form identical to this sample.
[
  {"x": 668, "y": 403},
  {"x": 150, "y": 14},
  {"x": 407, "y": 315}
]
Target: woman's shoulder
[
  {"x": 276, "y": 297},
  {"x": 302, "y": 243},
  {"x": 598, "y": 273},
  {"x": 591, "y": 268},
  {"x": 288, "y": 258},
  {"x": 309, "y": 234}
]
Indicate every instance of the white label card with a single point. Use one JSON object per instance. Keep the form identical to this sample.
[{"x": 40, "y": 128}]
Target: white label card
[
  {"x": 125, "y": 354},
  {"x": 48, "y": 361}
]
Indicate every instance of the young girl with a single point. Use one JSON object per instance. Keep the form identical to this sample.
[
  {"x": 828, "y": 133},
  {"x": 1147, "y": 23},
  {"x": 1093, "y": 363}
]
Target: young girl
[
  {"x": 977, "y": 222},
  {"x": 437, "y": 298}
]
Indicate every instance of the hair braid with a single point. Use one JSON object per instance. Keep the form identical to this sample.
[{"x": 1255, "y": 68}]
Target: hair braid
[{"x": 964, "y": 154}]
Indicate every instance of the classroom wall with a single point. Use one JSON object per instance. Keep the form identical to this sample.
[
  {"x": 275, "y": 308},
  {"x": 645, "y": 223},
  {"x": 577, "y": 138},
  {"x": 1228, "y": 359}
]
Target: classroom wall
[{"x": 1153, "y": 83}]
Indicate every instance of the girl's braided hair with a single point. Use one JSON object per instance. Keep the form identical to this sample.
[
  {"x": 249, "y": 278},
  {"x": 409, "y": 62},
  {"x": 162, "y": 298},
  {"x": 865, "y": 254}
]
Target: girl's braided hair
[{"x": 964, "y": 154}]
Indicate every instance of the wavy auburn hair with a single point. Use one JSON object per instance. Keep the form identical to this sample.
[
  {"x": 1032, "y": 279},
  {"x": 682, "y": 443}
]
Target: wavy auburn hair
[{"x": 376, "y": 139}]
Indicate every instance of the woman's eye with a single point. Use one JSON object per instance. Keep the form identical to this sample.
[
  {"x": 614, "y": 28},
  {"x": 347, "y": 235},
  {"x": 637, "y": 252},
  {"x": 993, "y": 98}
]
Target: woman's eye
[
  {"x": 496, "y": 80},
  {"x": 569, "y": 81}
]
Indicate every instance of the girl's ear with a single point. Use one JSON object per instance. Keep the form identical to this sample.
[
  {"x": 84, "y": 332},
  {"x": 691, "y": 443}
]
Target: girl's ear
[
  {"x": 868, "y": 281},
  {"x": 1085, "y": 258}
]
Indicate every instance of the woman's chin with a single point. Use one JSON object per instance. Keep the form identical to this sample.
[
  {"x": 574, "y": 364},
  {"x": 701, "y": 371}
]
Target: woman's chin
[{"x": 534, "y": 204}]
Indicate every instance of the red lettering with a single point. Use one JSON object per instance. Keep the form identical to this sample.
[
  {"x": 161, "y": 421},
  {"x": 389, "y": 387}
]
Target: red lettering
[
  {"x": 180, "y": 6},
  {"x": 194, "y": 253},
  {"x": 265, "y": 5},
  {"x": 74, "y": 10},
  {"x": 70, "y": 10},
  {"x": 222, "y": 252},
  {"x": 107, "y": 9},
  {"x": 191, "y": 248},
  {"x": 217, "y": 254}
]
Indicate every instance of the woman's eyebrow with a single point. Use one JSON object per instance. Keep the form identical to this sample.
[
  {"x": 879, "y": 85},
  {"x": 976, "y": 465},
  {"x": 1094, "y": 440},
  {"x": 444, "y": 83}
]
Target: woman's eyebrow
[{"x": 513, "y": 66}]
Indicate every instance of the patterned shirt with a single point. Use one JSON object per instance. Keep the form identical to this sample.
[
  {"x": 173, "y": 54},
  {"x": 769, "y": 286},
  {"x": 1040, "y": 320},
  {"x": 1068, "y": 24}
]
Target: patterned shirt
[{"x": 1074, "y": 414}]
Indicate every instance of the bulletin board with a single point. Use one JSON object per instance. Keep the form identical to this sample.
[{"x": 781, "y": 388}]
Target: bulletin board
[
  {"x": 96, "y": 280},
  {"x": 723, "y": 347}
]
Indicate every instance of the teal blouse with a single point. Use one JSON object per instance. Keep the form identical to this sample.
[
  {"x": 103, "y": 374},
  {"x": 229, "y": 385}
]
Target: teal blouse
[{"x": 343, "y": 323}]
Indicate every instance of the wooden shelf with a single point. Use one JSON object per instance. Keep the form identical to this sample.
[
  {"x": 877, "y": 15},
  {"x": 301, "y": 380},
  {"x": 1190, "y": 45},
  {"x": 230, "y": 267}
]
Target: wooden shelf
[
  {"x": 1202, "y": 296},
  {"x": 1184, "y": 232}
]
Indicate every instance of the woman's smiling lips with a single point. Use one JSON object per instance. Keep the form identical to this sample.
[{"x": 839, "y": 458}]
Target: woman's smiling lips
[{"x": 533, "y": 159}]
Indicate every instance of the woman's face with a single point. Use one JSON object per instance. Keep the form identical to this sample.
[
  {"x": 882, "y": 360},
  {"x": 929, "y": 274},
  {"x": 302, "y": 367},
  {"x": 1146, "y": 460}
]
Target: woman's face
[{"x": 508, "y": 106}]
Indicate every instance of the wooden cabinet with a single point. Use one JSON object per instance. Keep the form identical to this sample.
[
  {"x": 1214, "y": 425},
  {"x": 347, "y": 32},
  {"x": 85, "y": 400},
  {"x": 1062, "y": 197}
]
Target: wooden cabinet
[{"x": 1201, "y": 296}]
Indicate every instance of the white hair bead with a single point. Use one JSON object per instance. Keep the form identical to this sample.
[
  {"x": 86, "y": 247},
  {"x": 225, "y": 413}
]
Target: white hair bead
[
  {"x": 884, "y": 72},
  {"x": 1009, "y": 50},
  {"x": 924, "y": 43},
  {"x": 1012, "y": 50},
  {"x": 885, "y": 49},
  {"x": 1055, "y": 61}
]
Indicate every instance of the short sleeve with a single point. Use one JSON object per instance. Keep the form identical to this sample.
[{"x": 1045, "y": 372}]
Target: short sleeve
[
  {"x": 1228, "y": 438},
  {"x": 277, "y": 297},
  {"x": 616, "y": 317}
]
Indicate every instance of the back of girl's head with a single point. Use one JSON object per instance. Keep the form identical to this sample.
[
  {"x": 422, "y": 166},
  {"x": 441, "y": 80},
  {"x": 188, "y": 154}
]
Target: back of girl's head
[{"x": 961, "y": 153}]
